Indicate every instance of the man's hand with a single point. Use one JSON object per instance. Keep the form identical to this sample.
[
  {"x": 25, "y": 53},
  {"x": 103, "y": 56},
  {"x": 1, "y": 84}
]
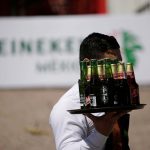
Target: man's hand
[{"x": 104, "y": 124}]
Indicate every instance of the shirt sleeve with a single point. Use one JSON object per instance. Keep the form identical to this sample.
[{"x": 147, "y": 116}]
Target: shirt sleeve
[{"x": 71, "y": 133}]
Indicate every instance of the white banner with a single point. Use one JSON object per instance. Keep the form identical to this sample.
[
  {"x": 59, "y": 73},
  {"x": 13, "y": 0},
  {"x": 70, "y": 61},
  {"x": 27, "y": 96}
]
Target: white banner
[{"x": 43, "y": 51}]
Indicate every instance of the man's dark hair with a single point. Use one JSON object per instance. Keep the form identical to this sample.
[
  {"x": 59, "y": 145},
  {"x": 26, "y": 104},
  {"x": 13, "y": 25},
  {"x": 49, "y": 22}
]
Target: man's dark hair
[{"x": 95, "y": 44}]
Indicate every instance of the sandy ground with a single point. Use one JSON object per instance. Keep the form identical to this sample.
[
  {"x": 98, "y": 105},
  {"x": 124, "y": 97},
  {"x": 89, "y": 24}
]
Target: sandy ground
[{"x": 24, "y": 118}]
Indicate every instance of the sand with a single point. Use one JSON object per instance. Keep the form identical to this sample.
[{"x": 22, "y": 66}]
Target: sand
[{"x": 24, "y": 119}]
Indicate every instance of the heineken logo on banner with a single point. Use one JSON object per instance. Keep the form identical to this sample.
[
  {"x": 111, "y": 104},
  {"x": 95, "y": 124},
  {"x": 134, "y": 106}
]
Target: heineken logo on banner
[
  {"x": 131, "y": 45},
  {"x": 44, "y": 51},
  {"x": 51, "y": 54}
]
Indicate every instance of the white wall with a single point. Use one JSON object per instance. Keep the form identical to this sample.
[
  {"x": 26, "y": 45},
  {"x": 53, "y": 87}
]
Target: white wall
[
  {"x": 43, "y": 51},
  {"x": 126, "y": 6}
]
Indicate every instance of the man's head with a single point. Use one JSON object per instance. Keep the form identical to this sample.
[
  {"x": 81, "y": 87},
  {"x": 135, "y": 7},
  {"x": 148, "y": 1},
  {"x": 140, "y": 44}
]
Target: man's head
[{"x": 99, "y": 46}]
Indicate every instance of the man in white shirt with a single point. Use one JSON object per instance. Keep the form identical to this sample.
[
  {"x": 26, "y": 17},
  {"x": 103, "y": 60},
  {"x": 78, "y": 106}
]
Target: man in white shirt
[{"x": 90, "y": 131}]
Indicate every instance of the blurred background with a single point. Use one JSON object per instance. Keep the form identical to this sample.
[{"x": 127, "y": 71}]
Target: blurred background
[{"x": 39, "y": 44}]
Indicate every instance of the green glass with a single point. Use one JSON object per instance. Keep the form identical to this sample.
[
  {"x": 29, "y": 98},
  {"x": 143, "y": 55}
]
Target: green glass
[
  {"x": 114, "y": 71},
  {"x": 116, "y": 82},
  {"x": 94, "y": 72},
  {"x": 106, "y": 86},
  {"x": 133, "y": 85},
  {"x": 82, "y": 83},
  {"x": 88, "y": 73},
  {"x": 94, "y": 84},
  {"x": 123, "y": 87},
  {"x": 107, "y": 70},
  {"x": 83, "y": 70},
  {"x": 100, "y": 71}
]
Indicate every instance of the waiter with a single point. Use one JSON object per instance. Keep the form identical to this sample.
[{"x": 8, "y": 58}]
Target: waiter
[{"x": 97, "y": 131}]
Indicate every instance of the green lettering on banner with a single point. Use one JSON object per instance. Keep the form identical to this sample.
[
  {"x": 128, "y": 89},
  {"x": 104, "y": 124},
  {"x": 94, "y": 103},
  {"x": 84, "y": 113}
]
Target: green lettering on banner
[
  {"x": 13, "y": 47},
  {"x": 2, "y": 50},
  {"x": 69, "y": 43},
  {"x": 57, "y": 66},
  {"x": 65, "y": 66},
  {"x": 46, "y": 67},
  {"x": 55, "y": 45},
  {"x": 39, "y": 46},
  {"x": 25, "y": 46}
]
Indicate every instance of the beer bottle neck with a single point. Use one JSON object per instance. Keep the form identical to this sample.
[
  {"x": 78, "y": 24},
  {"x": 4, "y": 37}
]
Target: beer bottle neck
[
  {"x": 100, "y": 72},
  {"x": 88, "y": 73},
  {"x": 108, "y": 71},
  {"x": 121, "y": 71},
  {"x": 83, "y": 70},
  {"x": 130, "y": 71},
  {"x": 114, "y": 71},
  {"x": 94, "y": 73}
]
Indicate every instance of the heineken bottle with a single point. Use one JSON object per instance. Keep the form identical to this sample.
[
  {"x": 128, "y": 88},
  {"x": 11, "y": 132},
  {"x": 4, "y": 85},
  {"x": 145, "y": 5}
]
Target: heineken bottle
[
  {"x": 134, "y": 87},
  {"x": 116, "y": 84},
  {"x": 94, "y": 84},
  {"x": 123, "y": 87},
  {"x": 100, "y": 70},
  {"x": 82, "y": 83},
  {"x": 87, "y": 88},
  {"x": 106, "y": 86},
  {"x": 88, "y": 77}
]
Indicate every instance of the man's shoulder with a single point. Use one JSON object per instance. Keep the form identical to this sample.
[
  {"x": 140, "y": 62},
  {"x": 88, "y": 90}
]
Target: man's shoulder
[
  {"x": 69, "y": 100},
  {"x": 72, "y": 93}
]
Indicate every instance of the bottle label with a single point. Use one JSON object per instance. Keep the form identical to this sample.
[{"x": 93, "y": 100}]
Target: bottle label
[
  {"x": 121, "y": 76},
  {"x": 115, "y": 76},
  {"x": 88, "y": 78},
  {"x": 130, "y": 74},
  {"x": 101, "y": 77},
  {"x": 91, "y": 99},
  {"x": 104, "y": 94}
]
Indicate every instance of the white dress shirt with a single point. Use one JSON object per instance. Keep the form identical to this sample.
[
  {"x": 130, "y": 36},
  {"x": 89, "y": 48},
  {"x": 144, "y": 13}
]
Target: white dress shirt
[{"x": 74, "y": 131}]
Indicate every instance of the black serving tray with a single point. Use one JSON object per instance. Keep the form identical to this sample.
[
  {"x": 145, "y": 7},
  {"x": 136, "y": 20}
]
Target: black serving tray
[{"x": 106, "y": 109}]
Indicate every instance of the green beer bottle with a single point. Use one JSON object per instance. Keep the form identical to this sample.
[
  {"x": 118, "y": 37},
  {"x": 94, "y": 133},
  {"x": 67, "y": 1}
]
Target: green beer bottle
[
  {"x": 115, "y": 89},
  {"x": 82, "y": 83},
  {"x": 94, "y": 84},
  {"x": 114, "y": 71},
  {"x": 100, "y": 70},
  {"x": 106, "y": 86},
  {"x": 134, "y": 87},
  {"x": 88, "y": 77},
  {"x": 123, "y": 87},
  {"x": 87, "y": 89}
]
